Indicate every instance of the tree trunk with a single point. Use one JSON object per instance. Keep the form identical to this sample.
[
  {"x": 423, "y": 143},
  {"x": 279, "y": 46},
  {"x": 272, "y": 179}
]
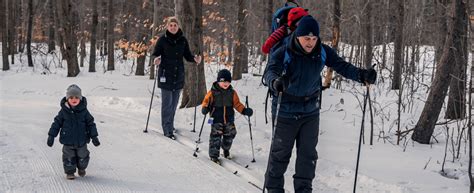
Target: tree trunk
[
  {"x": 441, "y": 25},
  {"x": 103, "y": 29},
  {"x": 469, "y": 126},
  {"x": 190, "y": 14},
  {"x": 51, "y": 43},
  {"x": 268, "y": 13},
  {"x": 398, "y": 55},
  {"x": 68, "y": 33},
  {"x": 156, "y": 23},
  {"x": 3, "y": 18},
  {"x": 368, "y": 34},
  {"x": 110, "y": 37},
  {"x": 140, "y": 70},
  {"x": 241, "y": 51},
  {"x": 58, "y": 28},
  {"x": 30, "y": 31},
  {"x": 21, "y": 36},
  {"x": 456, "y": 108},
  {"x": 11, "y": 29},
  {"x": 95, "y": 22},
  {"x": 426, "y": 123},
  {"x": 82, "y": 33},
  {"x": 336, "y": 35}
]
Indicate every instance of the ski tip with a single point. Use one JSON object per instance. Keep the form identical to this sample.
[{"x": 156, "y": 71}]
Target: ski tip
[
  {"x": 235, "y": 172},
  {"x": 247, "y": 166}
]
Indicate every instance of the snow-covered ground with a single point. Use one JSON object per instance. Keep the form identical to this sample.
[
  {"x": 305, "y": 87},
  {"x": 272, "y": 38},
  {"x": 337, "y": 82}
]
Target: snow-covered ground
[{"x": 130, "y": 160}]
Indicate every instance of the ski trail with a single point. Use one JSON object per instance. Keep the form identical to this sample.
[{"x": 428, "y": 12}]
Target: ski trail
[{"x": 227, "y": 164}]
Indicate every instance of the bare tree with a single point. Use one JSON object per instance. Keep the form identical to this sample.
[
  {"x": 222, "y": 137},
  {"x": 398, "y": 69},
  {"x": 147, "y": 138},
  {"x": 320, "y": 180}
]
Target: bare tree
[
  {"x": 6, "y": 65},
  {"x": 110, "y": 37},
  {"x": 427, "y": 121},
  {"x": 11, "y": 28},
  {"x": 156, "y": 22},
  {"x": 68, "y": 34},
  {"x": 95, "y": 22},
  {"x": 80, "y": 13},
  {"x": 241, "y": 50},
  {"x": 190, "y": 14},
  {"x": 51, "y": 42},
  {"x": 469, "y": 130},
  {"x": 30, "y": 31},
  {"x": 367, "y": 32},
  {"x": 440, "y": 15},
  {"x": 336, "y": 35},
  {"x": 398, "y": 58},
  {"x": 456, "y": 108}
]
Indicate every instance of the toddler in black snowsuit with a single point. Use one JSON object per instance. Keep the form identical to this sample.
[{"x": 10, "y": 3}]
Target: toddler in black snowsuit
[
  {"x": 76, "y": 127},
  {"x": 220, "y": 101}
]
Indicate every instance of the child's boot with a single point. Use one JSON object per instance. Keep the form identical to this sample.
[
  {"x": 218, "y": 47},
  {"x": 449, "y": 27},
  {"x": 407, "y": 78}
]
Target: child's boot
[
  {"x": 216, "y": 160},
  {"x": 227, "y": 154},
  {"x": 81, "y": 173},
  {"x": 70, "y": 176}
]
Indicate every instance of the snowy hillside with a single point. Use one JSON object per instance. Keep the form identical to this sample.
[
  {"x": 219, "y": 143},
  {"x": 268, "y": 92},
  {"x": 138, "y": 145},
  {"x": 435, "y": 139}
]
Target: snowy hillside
[{"x": 129, "y": 160}]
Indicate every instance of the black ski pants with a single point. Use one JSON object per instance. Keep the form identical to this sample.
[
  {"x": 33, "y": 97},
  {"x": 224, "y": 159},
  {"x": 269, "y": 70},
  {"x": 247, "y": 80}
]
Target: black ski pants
[
  {"x": 304, "y": 132},
  {"x": 75, "y": 157}
]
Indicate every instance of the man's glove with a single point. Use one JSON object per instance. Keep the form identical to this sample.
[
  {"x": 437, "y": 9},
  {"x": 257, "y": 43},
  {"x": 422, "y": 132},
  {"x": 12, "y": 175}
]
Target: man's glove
[
  {"x": 50, "y": 141},
  {"x": 247, "y": 112},
  {"x": 368, "y": 75},
  {"x": 278, "y": 84},
  {"x": 95, "y": 141},
  {"x": 205, "y": 110}
]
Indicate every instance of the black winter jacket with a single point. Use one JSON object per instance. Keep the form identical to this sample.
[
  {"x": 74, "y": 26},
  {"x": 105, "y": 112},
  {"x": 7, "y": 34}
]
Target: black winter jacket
[
  {"x": 172, "y": 49},
  {"x": 75, "y": 125},
  {"x": 303, "y": 76}
]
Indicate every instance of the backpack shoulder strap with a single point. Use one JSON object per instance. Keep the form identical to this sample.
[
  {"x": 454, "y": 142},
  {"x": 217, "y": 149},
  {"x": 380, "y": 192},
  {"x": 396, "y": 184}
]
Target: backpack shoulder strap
[
  {"x": 286, "y": 61},
  {"x": 323, "y": 55}
]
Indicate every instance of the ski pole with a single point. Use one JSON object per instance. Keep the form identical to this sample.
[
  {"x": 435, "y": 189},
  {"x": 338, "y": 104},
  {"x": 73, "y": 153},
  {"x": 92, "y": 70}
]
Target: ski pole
[
  {"x": 196, "y": 87},
  {"x": 199, "y": 138},
  {"x": 195, "y": 97},
  {"x": 273, "y": 136},
  {"x": 151, "y": 101},
  {"x": 250, "y": 128},
  {"x": 360, "y": 136}
]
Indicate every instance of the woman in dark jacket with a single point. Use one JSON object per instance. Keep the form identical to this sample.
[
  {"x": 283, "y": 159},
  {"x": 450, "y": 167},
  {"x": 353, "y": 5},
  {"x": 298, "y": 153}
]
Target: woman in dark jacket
[
  {"x": 294, "y": 72},
  {"x": 169, "y": 51}
]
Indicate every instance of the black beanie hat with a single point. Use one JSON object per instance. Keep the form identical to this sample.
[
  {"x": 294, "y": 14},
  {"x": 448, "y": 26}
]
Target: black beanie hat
[
  {"x": 224, "y": 75},
  {"x": 307, "y": 26}
]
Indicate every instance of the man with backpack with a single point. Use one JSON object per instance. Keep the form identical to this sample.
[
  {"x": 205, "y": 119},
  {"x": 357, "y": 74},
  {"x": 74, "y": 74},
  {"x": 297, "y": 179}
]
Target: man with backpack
[{"x": 294, "y": 77}]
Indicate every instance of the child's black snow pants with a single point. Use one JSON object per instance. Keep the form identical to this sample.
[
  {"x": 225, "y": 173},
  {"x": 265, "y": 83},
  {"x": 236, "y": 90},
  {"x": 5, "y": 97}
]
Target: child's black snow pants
[{"x": 75, "y": 157}]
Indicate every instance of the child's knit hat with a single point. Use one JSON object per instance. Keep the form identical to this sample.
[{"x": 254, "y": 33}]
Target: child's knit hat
[
  {"x": 224, "y": 76},
  {"x": 73, "y": 90}
]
